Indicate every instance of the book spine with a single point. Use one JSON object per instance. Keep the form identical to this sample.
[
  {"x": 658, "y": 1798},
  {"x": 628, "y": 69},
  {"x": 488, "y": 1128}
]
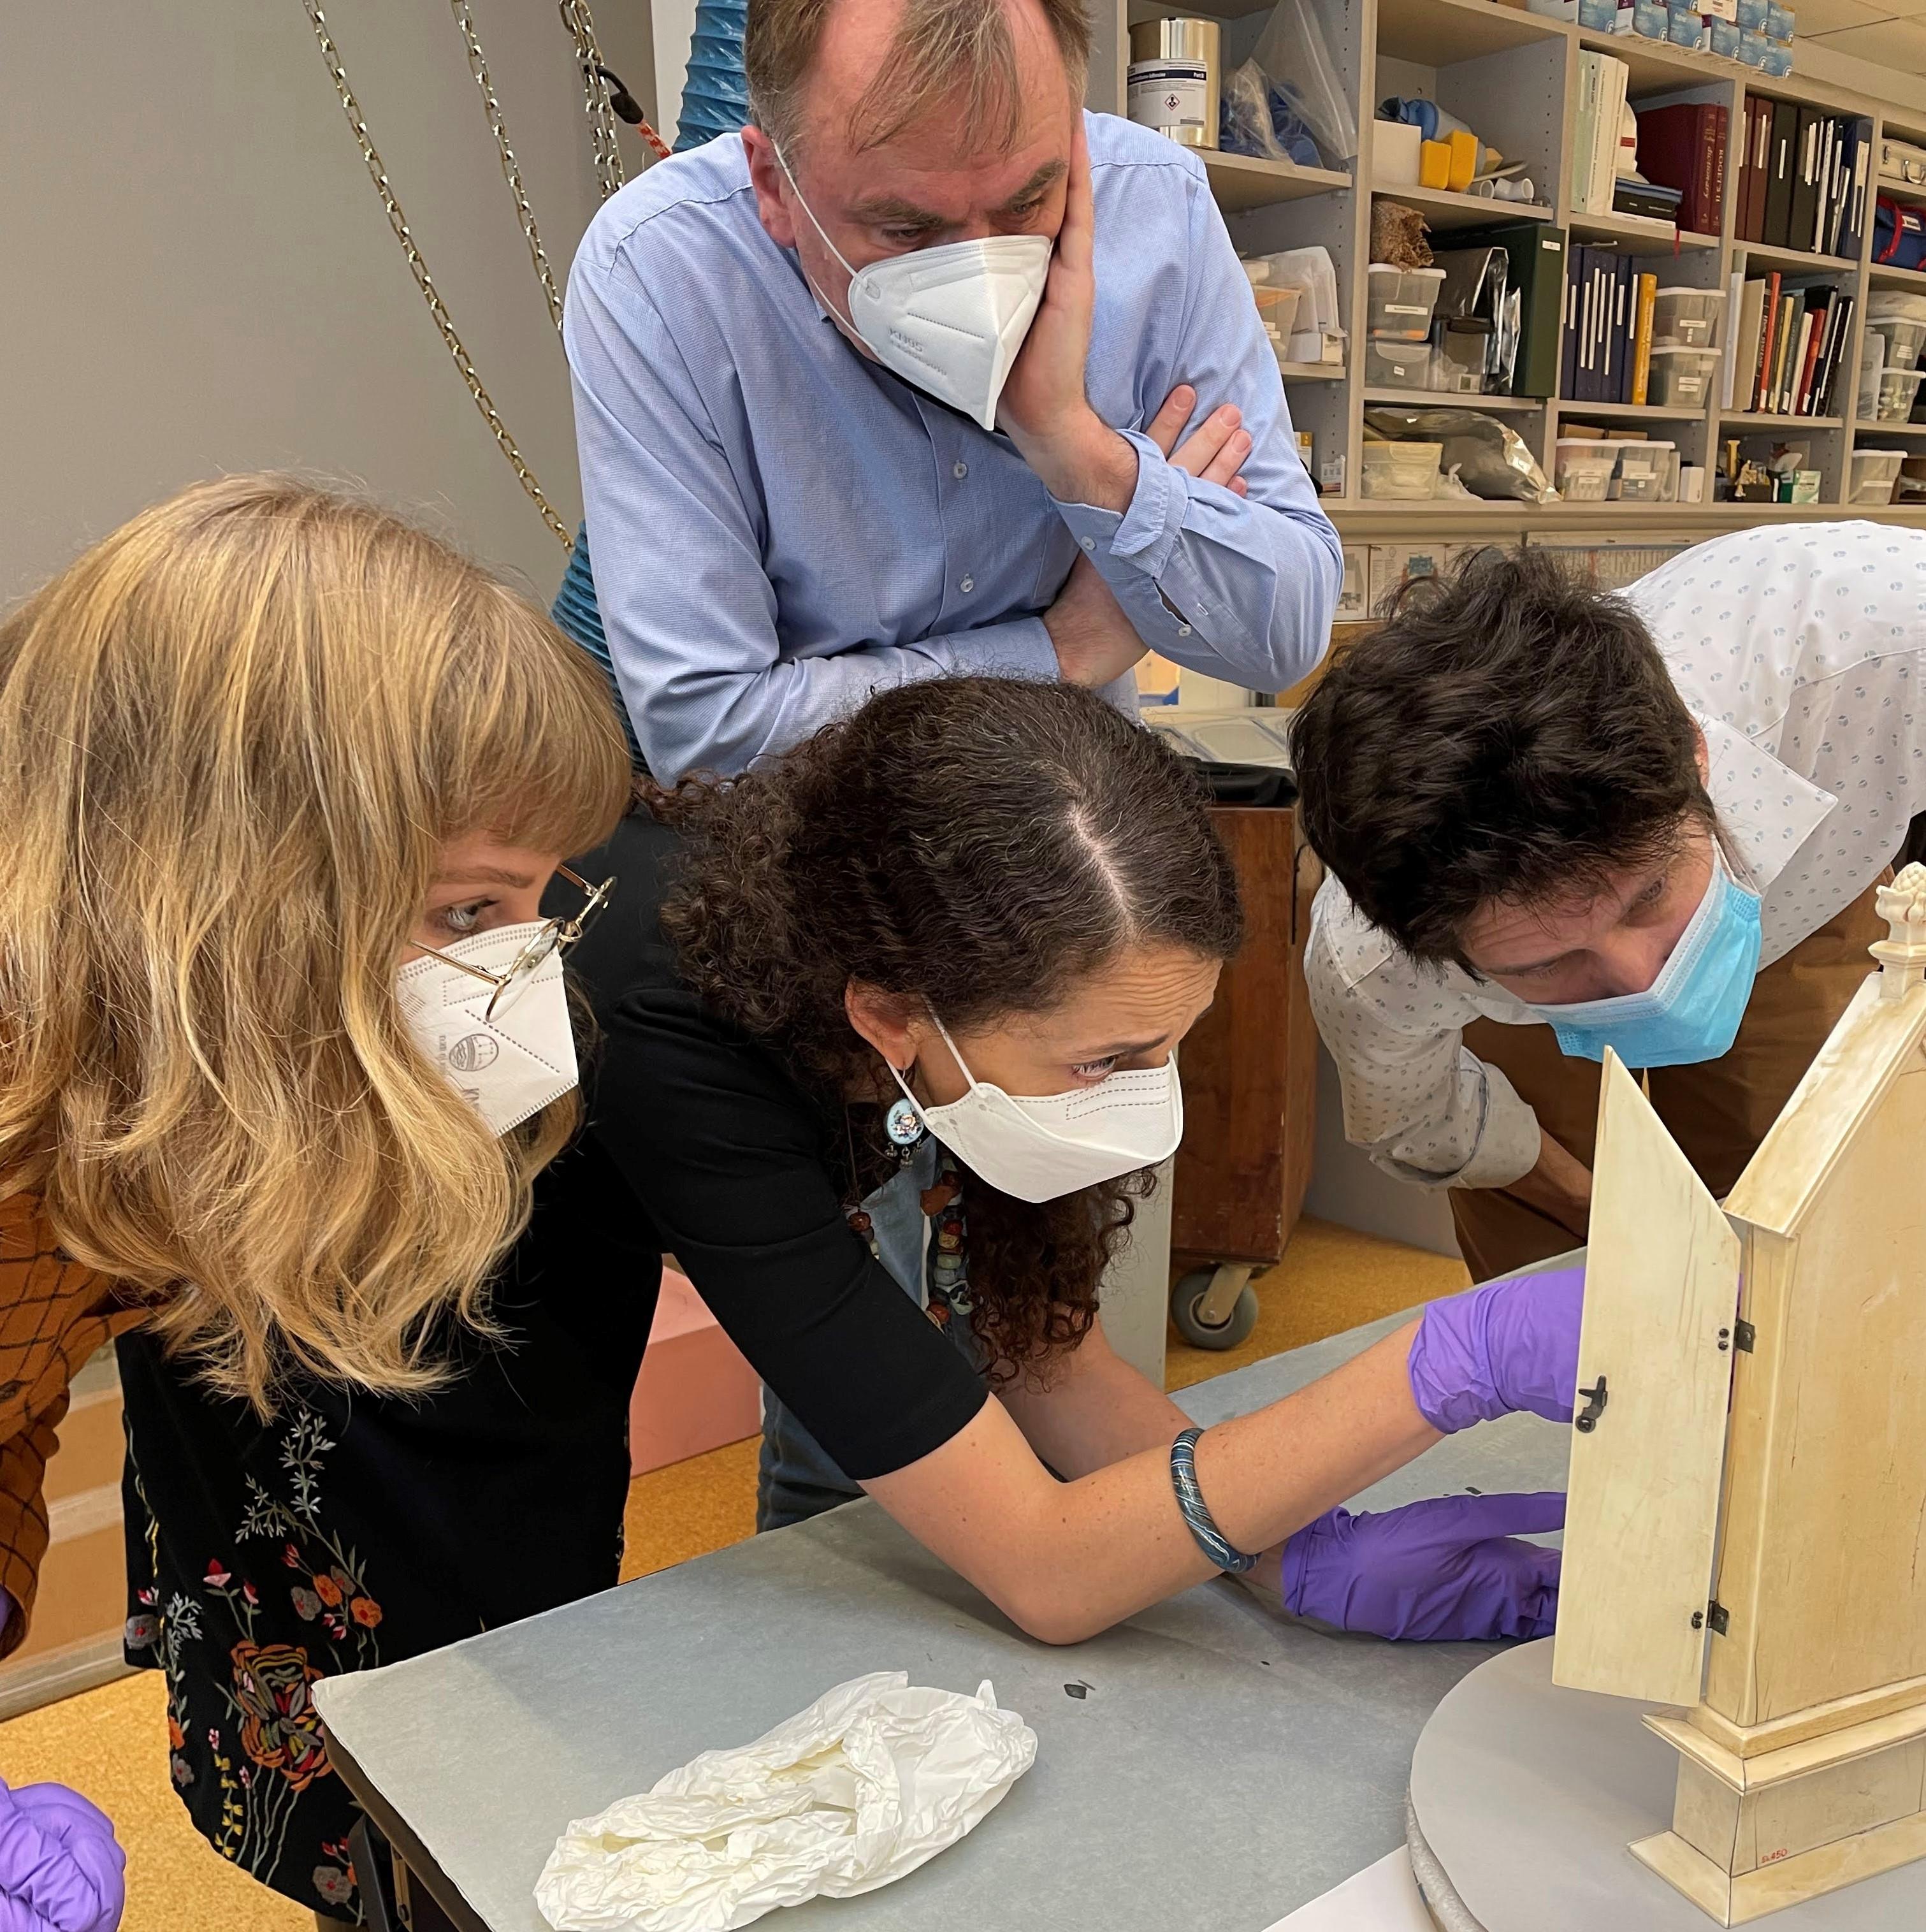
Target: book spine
[
  {"x": 1841, "y": 336},
  {"x": 1642, "y": 339},
  {"x": 1810, "y": 327},
  {"x": 1728, "y": 357},
  {"x": 1713, "y": 183},
  {"x": 1762, "y": 383}
]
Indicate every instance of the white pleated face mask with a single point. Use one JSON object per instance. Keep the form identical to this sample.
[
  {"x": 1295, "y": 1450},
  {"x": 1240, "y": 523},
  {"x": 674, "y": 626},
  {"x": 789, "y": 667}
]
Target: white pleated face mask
[
  {"x": 509, "y": 1067},
  {"x": 1036, "y": 1146},
  {"x": 950, "y": 319}
]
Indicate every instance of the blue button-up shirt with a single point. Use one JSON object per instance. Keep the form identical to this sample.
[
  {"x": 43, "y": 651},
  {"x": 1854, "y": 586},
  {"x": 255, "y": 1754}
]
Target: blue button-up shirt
[{"x": 780, "y": 527}]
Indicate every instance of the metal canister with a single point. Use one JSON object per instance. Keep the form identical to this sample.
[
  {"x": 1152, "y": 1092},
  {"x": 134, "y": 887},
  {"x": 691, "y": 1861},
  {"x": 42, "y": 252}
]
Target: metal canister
[{"x": 1175, "y": 72}]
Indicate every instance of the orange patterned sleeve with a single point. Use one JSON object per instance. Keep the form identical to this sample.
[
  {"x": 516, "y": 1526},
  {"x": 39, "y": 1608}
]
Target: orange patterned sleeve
[{"x": 54, "y": 1313}]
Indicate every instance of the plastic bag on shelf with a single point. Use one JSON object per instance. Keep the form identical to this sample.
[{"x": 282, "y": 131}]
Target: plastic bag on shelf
[
  {"x": 1296, "y": 50},
  {"x": 1257, "y": 118},
  {"x": 1243, "y": 122},
  {"x": 1489, "y": 457}
]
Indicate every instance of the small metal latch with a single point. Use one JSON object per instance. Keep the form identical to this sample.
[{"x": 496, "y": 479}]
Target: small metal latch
[
  {"x": 1744, "y": 1335},
  {"x": 1719, "y": 1617},
  {"x": 1587, "y": 1420}
]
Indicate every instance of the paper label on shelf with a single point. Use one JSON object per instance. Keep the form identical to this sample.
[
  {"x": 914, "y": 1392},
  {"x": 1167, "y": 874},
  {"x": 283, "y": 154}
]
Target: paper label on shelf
[{"x": 1170, "y": 95}]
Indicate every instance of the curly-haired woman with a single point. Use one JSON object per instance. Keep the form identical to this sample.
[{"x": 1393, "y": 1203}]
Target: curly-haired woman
[{"x": 900, "y": 1012}]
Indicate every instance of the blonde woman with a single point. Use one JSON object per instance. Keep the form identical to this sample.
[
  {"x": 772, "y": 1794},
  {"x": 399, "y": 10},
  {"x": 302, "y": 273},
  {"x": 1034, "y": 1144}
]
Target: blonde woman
[{"x": 283, "y": 1046}]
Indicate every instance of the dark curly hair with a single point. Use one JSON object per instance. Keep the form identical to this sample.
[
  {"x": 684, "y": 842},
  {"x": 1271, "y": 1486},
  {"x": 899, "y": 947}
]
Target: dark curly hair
[
  {"x": 1508, "y": 733},
  {"x": 977, "y": 844}
]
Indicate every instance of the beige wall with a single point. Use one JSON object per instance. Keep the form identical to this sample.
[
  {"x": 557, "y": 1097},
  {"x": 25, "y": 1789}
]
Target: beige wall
[{"x": 196, "y": 275}]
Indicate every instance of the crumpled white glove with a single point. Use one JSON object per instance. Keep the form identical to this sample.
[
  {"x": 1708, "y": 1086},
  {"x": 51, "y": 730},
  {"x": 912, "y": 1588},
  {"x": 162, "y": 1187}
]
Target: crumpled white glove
[{"x": 872, "y": 1781}]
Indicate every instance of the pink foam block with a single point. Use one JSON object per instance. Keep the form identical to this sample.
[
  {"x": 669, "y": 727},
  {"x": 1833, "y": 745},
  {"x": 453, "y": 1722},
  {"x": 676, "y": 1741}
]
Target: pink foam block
[{"x": 695, "y": 1391}]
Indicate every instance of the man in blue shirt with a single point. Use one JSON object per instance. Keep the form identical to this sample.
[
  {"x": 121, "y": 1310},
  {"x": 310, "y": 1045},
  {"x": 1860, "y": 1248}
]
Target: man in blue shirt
[{"x": 780, "y": 524}]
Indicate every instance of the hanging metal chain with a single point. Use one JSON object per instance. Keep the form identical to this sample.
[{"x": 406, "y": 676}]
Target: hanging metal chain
[
  {"x": 478, "y": 65},
  {"x": 609, "y": 174},
  {"x": 437, "y": 308}
]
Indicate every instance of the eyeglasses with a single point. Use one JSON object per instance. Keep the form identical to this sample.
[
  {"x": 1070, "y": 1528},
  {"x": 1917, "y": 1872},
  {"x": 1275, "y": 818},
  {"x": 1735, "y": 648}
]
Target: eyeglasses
[{"x": 556, "y": 935}]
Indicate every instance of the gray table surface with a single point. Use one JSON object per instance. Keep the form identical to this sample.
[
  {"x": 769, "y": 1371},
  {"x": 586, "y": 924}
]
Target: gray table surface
[{"x": 1223, "y": 1763}]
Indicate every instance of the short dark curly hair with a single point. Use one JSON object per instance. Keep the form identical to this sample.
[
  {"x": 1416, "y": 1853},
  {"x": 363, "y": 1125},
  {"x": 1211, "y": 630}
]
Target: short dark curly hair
[
  {"x": 979, "y": 844},
  {"x": 1507, "y": 735}
]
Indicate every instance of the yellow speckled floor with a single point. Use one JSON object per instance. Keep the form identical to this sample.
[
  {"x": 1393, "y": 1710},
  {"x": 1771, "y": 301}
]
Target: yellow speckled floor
[{"x": 112, "y": 1743}]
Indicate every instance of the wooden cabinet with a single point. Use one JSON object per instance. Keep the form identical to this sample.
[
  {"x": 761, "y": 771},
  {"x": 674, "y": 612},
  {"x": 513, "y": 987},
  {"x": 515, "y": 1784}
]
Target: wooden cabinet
[{"x": 1250, "y": 1064}]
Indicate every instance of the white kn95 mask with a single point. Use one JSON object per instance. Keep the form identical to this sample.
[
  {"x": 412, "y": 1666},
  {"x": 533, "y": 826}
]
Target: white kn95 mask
[
  {"x": 506, "y": 1068},
  {"x": 1038, "y": 1147},
  {"x": 950, "y": 319}
]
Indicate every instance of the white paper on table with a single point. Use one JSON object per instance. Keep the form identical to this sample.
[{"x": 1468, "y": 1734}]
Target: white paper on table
[{"x": 1383, "y": 1897}]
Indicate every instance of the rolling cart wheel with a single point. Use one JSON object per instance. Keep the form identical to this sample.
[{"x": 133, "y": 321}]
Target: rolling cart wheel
[{"x": 1198, "y": 1297}]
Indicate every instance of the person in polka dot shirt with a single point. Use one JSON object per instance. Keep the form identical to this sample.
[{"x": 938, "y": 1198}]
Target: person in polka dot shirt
[{"x": 1531, "y": 798}]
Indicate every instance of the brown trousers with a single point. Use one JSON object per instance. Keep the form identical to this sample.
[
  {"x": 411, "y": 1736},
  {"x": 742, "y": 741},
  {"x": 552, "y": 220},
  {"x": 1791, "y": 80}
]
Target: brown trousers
[{"x": 1717, "y": 1111}]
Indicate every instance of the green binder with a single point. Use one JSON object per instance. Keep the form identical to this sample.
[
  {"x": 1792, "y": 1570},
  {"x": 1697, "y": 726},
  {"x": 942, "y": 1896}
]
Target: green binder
[{"x": 1536, "y": 251}]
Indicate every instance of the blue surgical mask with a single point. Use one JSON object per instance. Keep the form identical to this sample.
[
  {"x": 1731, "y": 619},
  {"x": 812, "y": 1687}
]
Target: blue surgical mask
[{"x": 1692, "y": 1010}]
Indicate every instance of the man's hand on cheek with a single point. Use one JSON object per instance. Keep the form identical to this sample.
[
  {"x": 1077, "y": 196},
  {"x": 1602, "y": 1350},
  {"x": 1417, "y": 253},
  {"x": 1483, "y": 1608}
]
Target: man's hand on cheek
[{"x": 1043, "y": 409}]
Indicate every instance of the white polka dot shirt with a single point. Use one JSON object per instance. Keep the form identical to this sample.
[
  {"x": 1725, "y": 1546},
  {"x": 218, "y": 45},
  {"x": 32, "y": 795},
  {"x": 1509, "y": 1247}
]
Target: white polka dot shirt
[{"x": 1801, "y": 650}]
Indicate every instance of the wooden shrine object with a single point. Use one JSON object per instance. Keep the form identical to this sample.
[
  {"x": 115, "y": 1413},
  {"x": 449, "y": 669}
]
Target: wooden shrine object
[{"x": 1746, "y": 1533}]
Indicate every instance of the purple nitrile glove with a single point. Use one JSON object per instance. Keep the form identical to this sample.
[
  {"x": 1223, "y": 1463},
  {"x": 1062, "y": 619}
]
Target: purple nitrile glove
[
  {"x": 1449, "y": 1568},
  {"x": 1509, "y": 1345},
  {"x": 60, "y": 1869}
]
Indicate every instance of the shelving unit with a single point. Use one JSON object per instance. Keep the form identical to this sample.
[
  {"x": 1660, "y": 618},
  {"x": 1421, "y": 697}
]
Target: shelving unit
[
  {"x": 1512, "y": 76},
  {"x": 1443, "y": 399},
  {"x": 1644, "y": 233},
  {"x": 1444, "y": 210},
  {"x": 1241, "y": 182}
]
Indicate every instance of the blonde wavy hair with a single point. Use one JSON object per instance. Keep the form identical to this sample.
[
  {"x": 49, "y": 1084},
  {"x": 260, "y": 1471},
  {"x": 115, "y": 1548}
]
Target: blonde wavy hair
[{"x": 234, "y": 737}]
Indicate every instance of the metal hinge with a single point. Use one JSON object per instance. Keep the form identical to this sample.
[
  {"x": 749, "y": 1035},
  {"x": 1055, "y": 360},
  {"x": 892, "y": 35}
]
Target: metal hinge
[{"x": 1715, "y": 1613}]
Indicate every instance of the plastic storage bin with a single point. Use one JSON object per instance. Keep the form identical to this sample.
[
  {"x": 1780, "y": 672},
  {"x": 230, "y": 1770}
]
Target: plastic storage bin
[
  {"x": 1685, "y": 318},
  {"x": 1644, "y": 469},
  {"x": 1874, "y": 473},
  {"x": 1872, "y": 366},
  {"x": 1407, "y": 471},
  {"x": 1898, "y": 389},
  {"x": 1459, "y": 364},
  {"x": 1682, "y": 379},
  {"x": 1904, "y": 341},
  {"x": 1895, "y": 305},
  {"x": 1583, "y": 468},
  {"x": 1402, "y": 301},
  {"x": 1398, "y": 365},
  {"x": 1277, "y": 310}
]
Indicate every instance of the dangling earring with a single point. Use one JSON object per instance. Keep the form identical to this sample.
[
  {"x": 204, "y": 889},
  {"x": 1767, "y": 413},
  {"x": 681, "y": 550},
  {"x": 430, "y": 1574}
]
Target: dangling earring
[{"x": 903, "y": 1123}]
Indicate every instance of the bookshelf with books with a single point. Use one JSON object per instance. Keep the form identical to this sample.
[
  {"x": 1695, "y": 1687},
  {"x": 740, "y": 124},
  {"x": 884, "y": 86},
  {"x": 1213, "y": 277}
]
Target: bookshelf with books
[{"x": 1775, "y": 181}]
